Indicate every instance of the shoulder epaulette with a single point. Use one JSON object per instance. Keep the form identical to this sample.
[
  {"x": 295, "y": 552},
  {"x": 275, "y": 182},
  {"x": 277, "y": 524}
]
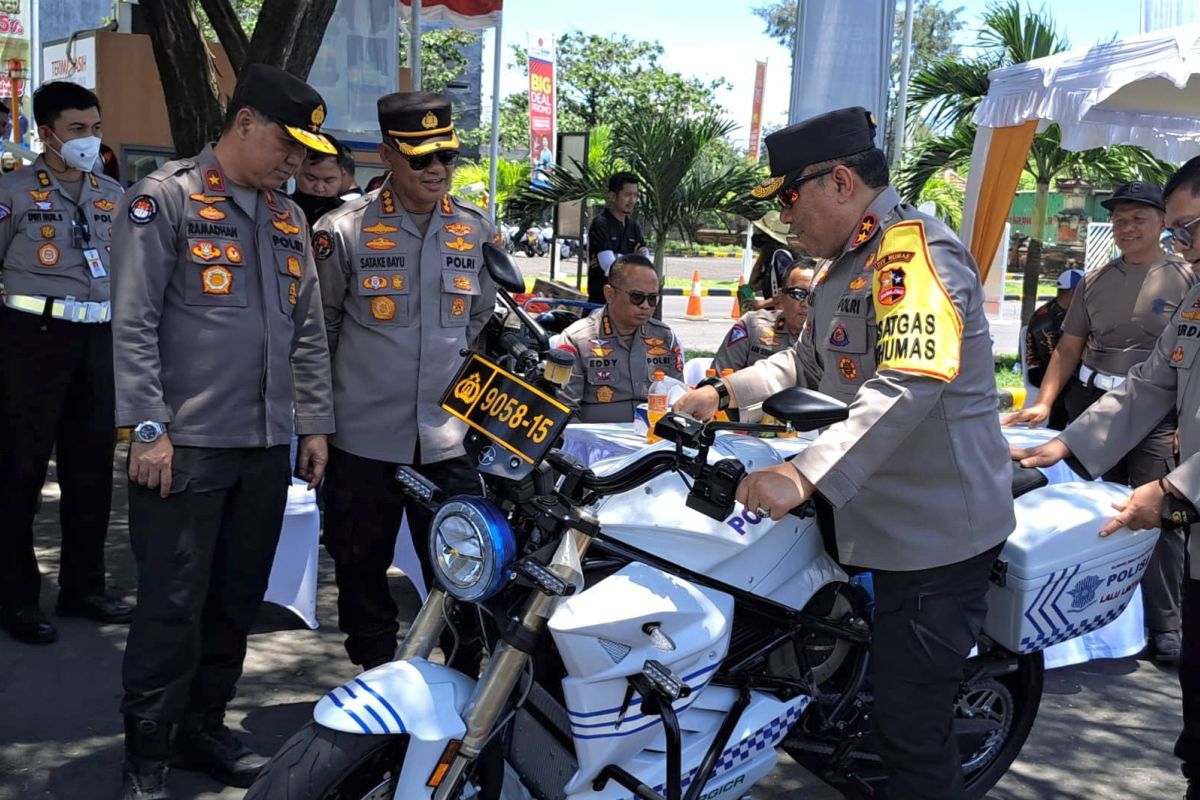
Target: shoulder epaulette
[{"x": 172, "y": 168}]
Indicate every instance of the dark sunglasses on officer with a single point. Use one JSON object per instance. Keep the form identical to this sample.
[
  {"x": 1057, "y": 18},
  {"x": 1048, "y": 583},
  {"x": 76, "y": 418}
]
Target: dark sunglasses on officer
[
  {"x": 797, "y": 293},
  {"x": 1179, "y": 237},
  {"x": 639, "y": 298},
  {"x": 421, "y": 163},
  {"x": 788, "y": 195}
]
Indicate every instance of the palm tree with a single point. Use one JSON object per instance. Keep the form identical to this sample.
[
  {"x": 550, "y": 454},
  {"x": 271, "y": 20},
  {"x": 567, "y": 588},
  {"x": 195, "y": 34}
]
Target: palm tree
[
  {"x": 511, "y": 178},
  {"x": 948, "y": 92},
  {"x": 677, "y": 185}
]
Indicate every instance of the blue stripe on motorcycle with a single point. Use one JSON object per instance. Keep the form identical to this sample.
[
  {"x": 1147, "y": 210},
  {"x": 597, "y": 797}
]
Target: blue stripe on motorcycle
[
  {"x": 386, "y": 704},
  {"x": 378, "y": 719},
  {"x": 686, "y": 678},
  {"x": 349, "y": 713}
]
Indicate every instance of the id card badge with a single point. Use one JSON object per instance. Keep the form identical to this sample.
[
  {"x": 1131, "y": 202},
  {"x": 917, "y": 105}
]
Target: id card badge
[{"x": 95, "y": 265}]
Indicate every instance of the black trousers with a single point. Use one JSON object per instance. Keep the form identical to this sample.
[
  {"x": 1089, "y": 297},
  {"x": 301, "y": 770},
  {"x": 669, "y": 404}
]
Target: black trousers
[
  {"x": 597, "y": 280},
  {"x": 1187, "y": 747},
  {"x": 56, "y": 393},
  {"x": 364, "y": 507},
  {"x": 204, "y": 556},
  {"x": 1150, "y": 460},
  {"x": 926, "y": 622}
]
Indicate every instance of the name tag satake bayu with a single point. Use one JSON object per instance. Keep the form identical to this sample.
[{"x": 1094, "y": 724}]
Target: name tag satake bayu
[{"x": 1056, "y": 578}]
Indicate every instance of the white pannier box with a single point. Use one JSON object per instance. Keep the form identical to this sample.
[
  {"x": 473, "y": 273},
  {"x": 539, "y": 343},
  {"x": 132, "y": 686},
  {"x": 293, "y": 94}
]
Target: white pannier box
[{"x": 1056, "y": 578}]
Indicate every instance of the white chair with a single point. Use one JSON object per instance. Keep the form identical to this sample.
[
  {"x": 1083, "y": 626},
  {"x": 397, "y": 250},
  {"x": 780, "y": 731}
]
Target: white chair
[{"x": 693, "y": 371}]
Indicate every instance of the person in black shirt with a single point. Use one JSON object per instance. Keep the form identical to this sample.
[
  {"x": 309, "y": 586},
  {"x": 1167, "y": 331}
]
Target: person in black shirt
[
  {"x": 1041, "y": 337},
  {"x": 613, "y": 233}
]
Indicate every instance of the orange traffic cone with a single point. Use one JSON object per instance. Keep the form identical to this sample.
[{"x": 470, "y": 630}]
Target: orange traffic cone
[
  {"x": 736, "y": 313},
  {"x": 694, "y": 310}
]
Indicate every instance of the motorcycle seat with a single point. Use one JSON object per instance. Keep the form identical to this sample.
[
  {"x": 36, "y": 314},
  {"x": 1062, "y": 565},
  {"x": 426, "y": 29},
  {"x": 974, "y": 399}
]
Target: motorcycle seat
[{"x": 1025, "y": 480}]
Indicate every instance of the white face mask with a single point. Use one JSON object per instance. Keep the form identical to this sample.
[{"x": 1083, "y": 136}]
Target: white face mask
[{"x": 80, "y": 153}]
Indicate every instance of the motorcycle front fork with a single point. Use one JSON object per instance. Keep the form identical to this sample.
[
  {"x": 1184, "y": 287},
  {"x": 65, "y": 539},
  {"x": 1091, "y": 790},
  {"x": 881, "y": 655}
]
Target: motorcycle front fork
[{"x": 504, "y": 668}]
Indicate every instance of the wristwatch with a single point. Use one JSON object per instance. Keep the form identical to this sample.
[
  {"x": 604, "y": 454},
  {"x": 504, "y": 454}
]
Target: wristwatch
[
  {"x": 722, "y": 391},
  {"x": 147, "y": 432}
]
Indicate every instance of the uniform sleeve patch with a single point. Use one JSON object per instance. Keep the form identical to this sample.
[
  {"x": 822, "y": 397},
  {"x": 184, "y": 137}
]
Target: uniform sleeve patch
[
  {"x": 920, "y": 331},
  {"x": 5, "y": 212},
  {"x": 142, "y": 209},
  {"x": 322, "y": 243},
  {"x": 737, "y": 333}
]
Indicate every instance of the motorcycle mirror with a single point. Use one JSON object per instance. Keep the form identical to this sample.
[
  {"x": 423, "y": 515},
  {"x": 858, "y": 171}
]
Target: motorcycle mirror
[
  {"x": 502, "y": 268},
  {"x": 805, "y": 409}
]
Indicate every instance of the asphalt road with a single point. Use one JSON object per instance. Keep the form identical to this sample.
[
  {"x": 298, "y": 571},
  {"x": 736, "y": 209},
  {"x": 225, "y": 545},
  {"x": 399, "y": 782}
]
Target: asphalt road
[
  {"x": 1105, "y": 729},
  {"x": 706, "y": 335}
]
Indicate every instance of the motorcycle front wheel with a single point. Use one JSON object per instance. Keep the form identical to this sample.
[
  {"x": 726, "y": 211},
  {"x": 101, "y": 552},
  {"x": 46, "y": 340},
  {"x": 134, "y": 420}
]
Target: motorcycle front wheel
[{"x": 318, "y": 763}]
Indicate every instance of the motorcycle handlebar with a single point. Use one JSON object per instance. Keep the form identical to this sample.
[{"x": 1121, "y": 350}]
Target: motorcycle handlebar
[{"x": 633, "y": 475}]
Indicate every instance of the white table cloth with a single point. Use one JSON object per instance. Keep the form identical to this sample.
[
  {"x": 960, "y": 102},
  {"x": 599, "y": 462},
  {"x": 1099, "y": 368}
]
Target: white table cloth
[{"x": 293, "y": 582}]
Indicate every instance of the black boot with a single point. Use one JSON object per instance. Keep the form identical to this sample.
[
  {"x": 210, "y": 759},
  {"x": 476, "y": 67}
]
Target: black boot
[
  {"x": 204, "y": 744},
  {"x": 147, "y": 747}
]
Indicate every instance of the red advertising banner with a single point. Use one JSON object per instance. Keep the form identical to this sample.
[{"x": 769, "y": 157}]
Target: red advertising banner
[
  {"x": 541, "y": 118},
  {"x": 760, "y": 80}
]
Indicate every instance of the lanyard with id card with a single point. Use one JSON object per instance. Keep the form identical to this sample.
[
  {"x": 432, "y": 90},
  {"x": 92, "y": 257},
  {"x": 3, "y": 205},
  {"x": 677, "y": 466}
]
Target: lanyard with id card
[{"x": 81, "y": 234}]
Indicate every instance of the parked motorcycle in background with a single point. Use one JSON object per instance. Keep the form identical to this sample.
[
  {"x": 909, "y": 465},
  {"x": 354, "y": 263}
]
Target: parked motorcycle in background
[
  {"x": 648, "y": 637},
  {"x": 534, "y": 243}
]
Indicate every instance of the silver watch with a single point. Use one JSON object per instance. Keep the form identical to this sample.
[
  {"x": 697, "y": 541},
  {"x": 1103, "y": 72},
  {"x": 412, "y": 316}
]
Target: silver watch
[{"x": 147, "y": 432}]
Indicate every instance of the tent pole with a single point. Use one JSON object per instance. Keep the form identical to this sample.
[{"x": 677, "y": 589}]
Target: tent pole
[
  {"x": 494, "y": 148},
  {"x": 902, "y": 95},
  {"x": 414, "y": 47}
]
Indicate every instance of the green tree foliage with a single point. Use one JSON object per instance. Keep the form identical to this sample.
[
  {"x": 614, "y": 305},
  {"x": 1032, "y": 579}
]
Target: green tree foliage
[
  {"x": 679, "y": 185},
  {"x": 604, "y": 80},
  {"x": 947, "y": 93},
  {"x": 442, "y": 59},
  {"x": 512, "y": 177}
]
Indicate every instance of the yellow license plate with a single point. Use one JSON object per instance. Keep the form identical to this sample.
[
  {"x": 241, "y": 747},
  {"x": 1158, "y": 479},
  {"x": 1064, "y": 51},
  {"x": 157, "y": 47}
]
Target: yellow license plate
[{"x": 515, "y": 415}]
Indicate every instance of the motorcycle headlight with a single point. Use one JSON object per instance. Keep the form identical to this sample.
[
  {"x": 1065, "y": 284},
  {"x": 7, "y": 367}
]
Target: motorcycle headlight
[{"x": 470, "y": 547}]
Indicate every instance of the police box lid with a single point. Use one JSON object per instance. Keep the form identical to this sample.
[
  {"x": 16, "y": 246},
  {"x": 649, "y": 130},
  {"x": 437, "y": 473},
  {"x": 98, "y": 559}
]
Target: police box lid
[{"x": 1058, "y": 528}]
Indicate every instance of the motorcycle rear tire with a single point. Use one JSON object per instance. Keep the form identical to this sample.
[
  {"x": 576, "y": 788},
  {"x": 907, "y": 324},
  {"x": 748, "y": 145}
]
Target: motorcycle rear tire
[{"x": 318, "y": 763}]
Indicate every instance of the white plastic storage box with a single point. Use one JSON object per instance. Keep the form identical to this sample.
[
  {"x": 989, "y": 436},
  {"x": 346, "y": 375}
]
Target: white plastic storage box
[{"x": 1056, "y": 578}]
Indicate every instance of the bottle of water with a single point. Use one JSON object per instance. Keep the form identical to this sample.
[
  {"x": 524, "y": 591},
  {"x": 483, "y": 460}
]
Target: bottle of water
[{"x": 656, "y": 403}]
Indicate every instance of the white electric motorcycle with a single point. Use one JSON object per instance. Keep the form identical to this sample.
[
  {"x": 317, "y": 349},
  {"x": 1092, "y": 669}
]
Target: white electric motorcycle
[{"x": 650, "y": 638}]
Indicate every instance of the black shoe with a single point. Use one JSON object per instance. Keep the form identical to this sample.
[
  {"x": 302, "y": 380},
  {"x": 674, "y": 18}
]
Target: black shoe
[
  {"x": 208, "y": 746},
  {"x": 28, "y": 625},
  {"x": 98, "y": 607},
  {"x": 145, "y": 769},
  {"x": 1165, "y": 648}
]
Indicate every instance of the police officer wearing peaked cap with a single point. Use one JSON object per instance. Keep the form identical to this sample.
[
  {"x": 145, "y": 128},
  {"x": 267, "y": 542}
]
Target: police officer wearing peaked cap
[
  {"x": 405, "y": 291},
  {"x": 896, "y": 330},
  {"x": 56, "y": 371},
  {"x": 220, "y": 353}
]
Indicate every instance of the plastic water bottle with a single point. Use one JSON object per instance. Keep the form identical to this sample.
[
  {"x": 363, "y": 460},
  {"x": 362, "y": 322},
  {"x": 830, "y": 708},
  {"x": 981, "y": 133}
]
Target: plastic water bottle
[{"x": 656, "y": 403}]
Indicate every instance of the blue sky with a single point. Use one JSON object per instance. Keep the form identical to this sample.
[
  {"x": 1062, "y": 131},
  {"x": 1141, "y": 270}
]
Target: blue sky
[{"x": 710, "y": 38}]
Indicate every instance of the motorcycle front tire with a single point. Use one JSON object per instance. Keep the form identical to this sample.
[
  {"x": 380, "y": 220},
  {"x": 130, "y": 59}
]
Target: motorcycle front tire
[{"x": 318, "y": 763}]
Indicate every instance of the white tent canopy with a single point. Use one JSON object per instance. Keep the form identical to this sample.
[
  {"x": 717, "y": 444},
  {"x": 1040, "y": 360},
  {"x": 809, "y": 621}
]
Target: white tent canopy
[{"x": 1144, "y": 90}]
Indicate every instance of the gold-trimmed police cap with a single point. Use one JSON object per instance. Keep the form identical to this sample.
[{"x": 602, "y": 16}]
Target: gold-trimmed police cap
[
  {"x": 287, "y": 100},
  {"x": 825, "y": 137},
  {"x": 416, "y": 123}
]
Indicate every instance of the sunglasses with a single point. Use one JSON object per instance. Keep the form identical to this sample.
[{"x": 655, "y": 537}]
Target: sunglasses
[
  {"x": 1180, "y": 236},
  {"x": 420, "y": 163},
  {"x": 788, "y": 195},
  {"x": 797, "y": 293},
  {"x": 639, "y": 298}
]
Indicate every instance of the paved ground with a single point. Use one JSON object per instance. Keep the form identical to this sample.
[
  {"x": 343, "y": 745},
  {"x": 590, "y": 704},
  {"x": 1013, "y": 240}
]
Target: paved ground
[{"x": 1104, "y": 733}]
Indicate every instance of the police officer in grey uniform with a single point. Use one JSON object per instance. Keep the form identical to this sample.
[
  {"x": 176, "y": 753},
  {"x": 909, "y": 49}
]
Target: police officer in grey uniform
[
  {"x": 56, "y": 372},
  {"x": 917, "y": 474},
  {"x": 220, "y": 353},
  {"x": 619, "y": 347},
  {"x": 763, "y": 333},
  {"x": 1114, "y": 319},
  {"x": 405, "y": 291},
  {"x": 1168, "y": 378}
]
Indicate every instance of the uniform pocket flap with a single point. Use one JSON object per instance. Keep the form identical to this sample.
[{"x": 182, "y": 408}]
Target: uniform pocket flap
[
  {"x": 847, "y": 335},
  {"x": 458, "y": 282}
]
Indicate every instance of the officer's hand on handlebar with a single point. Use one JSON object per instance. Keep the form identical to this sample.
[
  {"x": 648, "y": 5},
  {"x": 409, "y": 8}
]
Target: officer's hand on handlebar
[
  {"x": 311, "y": 457},
  {"x": 1032, "y": 416},
  {"x": 698, "y": 403},
  {"x": 1141, "y": 511},
  {"x": 774, "y": 491},
  {"x": 1044, "y": 455},
  {"x": 150, "y": 464}
]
